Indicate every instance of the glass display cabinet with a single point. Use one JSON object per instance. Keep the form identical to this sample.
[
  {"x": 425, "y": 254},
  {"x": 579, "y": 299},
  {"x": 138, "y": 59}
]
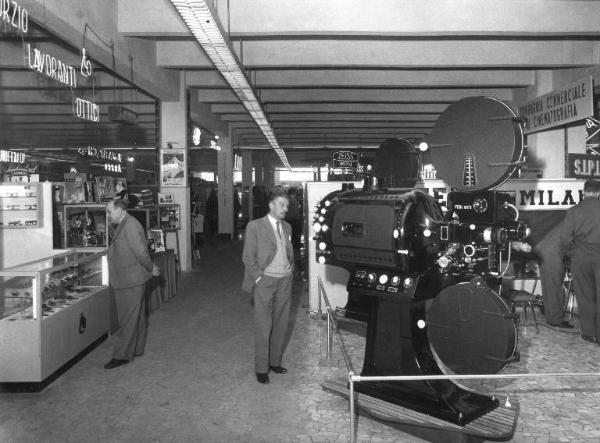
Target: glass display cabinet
[
  {"x": 170, "y": 216},
  {"x": 50, "y": 311},
  {"x": 85, "y": 226},
  {"x": 166, "y": 217},
  {"x": 20, "y": 205},
  {"x": 148, "y": 217}
]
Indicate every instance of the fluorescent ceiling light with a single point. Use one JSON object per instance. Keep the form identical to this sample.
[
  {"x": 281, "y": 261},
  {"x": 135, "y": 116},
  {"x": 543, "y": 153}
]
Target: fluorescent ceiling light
[{"x": 199, "y": 19}]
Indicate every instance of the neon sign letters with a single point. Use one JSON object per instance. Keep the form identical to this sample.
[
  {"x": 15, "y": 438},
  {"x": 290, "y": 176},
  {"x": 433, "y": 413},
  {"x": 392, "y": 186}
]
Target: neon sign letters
[
  {"x": 103, "y": 154},
  {"x": 13, "y": 14},
  {"x": 50, "y": 66},
  {"x": 11, "y": 157},
  {"x": 86, "y": 110}
]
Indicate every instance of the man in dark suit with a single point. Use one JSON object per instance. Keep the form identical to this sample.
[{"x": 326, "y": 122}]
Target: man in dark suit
[
  {"x": 269, "y": 259},
  {"x": 129, "y": 269},
  {"x": 580, "y": 233},
  {"x": 552, "y": 272}
]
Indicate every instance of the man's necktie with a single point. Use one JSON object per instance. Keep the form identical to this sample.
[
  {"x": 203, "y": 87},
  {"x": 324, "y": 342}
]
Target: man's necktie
[{"x": 278, "y": 229}]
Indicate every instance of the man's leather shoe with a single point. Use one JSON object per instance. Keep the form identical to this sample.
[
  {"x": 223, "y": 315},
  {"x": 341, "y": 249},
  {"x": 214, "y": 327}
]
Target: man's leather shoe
[
  {"x": 278, "y": 369},
  {"x": 562, "y": 324},
  {"x": 262, "y": 378},
  {"x": 114, "y": 363},
  {"x": 589, "y": 338}
]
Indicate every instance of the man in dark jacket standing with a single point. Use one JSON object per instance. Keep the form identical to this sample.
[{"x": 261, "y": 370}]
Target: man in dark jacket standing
[
  {"x": 552, "y": 272},
  {"x": 580, "y": 234},
  {"x": 268, "y": 259},
  {"x": 129, "y": 268}
]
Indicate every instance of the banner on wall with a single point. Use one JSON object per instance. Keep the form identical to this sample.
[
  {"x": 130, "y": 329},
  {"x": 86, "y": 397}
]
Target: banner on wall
[
  {"x": 530, "y": 194},
  {"x": 567, "y": 104}
]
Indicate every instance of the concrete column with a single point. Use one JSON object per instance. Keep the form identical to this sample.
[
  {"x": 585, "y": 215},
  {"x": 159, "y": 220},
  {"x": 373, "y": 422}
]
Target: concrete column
[
  {"x": 247, "y": 196},
  {"x": 269, "y": 175},
  {"x": 173, "y": 125},
  {"x": 225, "y": 188},
  {"x": 258, "y": 173}
]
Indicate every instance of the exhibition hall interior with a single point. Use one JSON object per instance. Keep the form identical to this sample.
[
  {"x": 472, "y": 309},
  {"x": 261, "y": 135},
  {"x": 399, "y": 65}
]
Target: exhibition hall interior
[{"x": 434, "y": 165}]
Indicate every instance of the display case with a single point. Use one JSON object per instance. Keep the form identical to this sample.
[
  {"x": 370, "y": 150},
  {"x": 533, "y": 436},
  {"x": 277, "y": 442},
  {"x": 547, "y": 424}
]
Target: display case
[
  {"x": 85, "y": 226},
  {"x": 170, "y": 216},
  {"x": 166, "y": 217},
  {"x": 148, "y": 217},
  {"x": 20, "y": 205},
  {"x": 50, "y": 311}
]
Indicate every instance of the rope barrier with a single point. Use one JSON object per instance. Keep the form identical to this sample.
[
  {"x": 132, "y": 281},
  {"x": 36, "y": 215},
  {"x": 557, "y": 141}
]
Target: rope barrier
[
  {"x": 353, "y": 378},
  {"x": 359, "y": 378},
  {"x": 335, "y": 326}
]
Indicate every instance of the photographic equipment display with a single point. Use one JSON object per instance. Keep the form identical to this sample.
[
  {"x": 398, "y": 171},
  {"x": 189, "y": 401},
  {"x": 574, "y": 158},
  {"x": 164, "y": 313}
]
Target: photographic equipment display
[
  {"x": 51, "y": 309},
  {"x": 423, "y": 279}
]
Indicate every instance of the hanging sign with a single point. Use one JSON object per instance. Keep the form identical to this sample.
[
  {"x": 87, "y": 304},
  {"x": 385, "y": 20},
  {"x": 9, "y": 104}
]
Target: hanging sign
[
  {"x": 568, "y": 104},
  {"x": 25, "y": 170},
  {"x": 545, "y": 194},
  {"x": 112, "y": 167},
  {"x": 583, "y": 166},
  {"x": 102, "y": 154},
  {"x": 15, "y": 15},
  {"x": 86, "y": 110},
  {"x": 50, "y": 66},
  {"x": 11, "y": 157},
  {"x": 345, "y": 160}
]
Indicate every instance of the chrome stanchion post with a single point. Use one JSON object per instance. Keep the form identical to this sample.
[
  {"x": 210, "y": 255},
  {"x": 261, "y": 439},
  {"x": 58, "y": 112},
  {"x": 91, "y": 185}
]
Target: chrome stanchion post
[
  {"x": 352, "y": 416},
  {"x": 320, "y": 308},
  {"x": 329, "y": 338}
]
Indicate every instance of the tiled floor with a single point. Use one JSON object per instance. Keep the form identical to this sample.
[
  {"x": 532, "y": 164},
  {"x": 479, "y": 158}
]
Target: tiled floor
[{"x": 196, "y": 381}]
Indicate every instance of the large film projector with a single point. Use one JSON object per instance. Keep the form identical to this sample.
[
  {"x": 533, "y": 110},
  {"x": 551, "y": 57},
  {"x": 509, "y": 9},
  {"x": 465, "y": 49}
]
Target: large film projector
[{"x": 426, "y": 279}]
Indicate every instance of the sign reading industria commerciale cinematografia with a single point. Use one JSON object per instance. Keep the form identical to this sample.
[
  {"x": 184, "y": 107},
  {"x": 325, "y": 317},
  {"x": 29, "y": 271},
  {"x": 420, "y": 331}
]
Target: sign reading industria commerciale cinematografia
[{"x": 570, "y": 103}]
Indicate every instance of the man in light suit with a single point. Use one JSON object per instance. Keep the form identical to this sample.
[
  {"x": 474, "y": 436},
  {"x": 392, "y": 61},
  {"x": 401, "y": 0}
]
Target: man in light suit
[
  {"x": 268, "y": 259},
  {"x": 129, "y": 269}
]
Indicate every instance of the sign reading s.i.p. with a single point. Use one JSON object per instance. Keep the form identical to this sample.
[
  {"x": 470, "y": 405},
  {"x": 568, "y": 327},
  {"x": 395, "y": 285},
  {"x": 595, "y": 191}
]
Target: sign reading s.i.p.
[{"x": 584, "y": 166}]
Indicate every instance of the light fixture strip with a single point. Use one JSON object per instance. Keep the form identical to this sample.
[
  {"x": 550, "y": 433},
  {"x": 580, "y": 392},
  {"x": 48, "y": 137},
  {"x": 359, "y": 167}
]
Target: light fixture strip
[{"x": 199, "y": 19}]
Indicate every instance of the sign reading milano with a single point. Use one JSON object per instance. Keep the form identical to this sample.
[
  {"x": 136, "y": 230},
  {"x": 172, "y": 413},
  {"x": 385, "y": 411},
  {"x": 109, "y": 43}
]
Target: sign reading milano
[{"x": 570, "y": 103}]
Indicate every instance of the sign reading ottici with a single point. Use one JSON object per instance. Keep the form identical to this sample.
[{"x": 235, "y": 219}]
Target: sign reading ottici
[{"x": 570, "y": 103}]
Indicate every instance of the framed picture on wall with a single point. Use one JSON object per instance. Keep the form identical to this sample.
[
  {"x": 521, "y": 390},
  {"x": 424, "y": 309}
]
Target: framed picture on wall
[
  {"x": 173, "y": 167},
  {"x": 165, "y": 198}
]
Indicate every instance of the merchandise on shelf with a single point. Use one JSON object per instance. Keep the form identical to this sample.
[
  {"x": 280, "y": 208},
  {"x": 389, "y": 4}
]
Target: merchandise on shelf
[
  {"x": 50, "y": 311},
  {"x": 19, "y": 205}
]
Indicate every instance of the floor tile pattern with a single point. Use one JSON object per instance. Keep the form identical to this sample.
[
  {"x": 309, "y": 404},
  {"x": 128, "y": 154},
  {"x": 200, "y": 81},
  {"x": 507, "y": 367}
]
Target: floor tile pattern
[{"x": 196, "y": 382}]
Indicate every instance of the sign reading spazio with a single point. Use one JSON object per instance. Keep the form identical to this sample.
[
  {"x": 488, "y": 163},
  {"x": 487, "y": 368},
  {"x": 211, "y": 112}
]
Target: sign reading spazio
[{"x": 570, "y": 103}]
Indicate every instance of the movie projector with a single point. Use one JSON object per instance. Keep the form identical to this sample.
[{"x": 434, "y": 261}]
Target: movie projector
[{"x": 423, "y": 280}]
